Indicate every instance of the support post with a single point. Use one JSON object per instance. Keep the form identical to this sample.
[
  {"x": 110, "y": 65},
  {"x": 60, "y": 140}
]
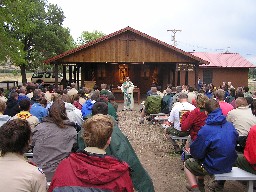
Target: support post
[
  {"x": 77, "y": 75},
  {"x": 70, "y": 75},
  {"x": 196, "y": 66},
  {"x": 64, "y": 71},
  {"x": 56, "y": 75}
]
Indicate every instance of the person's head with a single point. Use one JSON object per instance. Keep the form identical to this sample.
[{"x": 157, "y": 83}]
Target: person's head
[
  {"x": 249, "y": 100},
  {"x": 58, "y": 113},
  {"x": 103, "y": 86},
  {"x": 190, "y": 89},
  {"x": 159, "y": 88},
  {"x": 239, "y": 94},
  {"x": 37, "y": 95},
  {"x": 183, "y": 97},
  {"x": 2, "y": 106},
  {"x": 246, "y": 89},
  {"x": 76, "y": 97},
  {"x": 22, "y": 90},
  {"x": 43, "y": 102},
  {"x": 232, "y": 92},
  {"x": 111, "y": 97},
  {"x": 178, "y": 89},
  {"x": 153, "y": 89},
  {"x": 15, "y": 136},
  {"x": 201, "y": 99},
  {"x": 127, "y": 78},
  {"x": 100, "y": 108},
  {"x": 24, "y": 105},
  {"x": 50, "y": 88},
  {"x": 98, "y": 130},
  {"x": 95, "y": 95},
  {"x": 241, "y": 102},
  {"x": 14, "y": 96},
  {"x": 220, "y": 94},
  {"x": 66, "y": 98},
  {"x": 253, "y": 107},
  {"x": 211, "y": 105},
  {"x": 73, "y": 85}
]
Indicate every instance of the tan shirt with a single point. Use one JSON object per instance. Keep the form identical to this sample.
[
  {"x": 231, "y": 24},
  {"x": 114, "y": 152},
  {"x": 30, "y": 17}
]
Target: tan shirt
[
  {"x": 18, "y": 175},
  {"x": 242, "y": 119}
]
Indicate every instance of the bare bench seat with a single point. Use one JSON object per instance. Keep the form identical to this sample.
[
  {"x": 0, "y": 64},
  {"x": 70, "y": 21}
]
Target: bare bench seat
[{"x": 238, "y": 174}]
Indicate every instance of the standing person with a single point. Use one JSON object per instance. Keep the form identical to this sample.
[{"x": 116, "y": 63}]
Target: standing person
[
  {"x": 91, "y": 168},
  {"x": 53, "y": 139},
  {"x": 213, "y": 151},
  {"x": 15, "y": 172},
  {"x": 127, "y": 88}
]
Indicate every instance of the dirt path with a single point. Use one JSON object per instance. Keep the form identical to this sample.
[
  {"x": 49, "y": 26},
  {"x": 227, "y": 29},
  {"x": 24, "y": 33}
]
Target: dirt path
[{"x": 156, "y": 155}]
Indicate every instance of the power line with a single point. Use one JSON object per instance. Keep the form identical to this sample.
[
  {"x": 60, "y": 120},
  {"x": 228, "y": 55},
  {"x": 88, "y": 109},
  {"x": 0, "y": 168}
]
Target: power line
[{"x": 174, "y": 31}]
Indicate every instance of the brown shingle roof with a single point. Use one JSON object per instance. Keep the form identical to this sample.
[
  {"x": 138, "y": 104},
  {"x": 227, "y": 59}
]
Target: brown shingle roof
[{"x": 117, "y": 33}]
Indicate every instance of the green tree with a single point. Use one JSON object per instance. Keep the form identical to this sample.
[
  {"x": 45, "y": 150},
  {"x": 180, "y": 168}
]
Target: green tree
[
  {"x": 87, "y": 36},
  {"x": 32, "y": 32}
]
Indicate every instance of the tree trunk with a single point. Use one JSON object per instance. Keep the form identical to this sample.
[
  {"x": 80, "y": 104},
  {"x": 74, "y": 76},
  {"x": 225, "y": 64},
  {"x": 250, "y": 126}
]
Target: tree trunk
[{"x": 23, "y": 73}]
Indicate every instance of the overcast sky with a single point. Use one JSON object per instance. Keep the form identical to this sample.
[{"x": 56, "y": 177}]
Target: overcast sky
[{"x": 207, "y": 25}]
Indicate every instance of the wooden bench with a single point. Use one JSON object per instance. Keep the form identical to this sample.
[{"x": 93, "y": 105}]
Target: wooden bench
[
  {"x": 238, "y": 174},
  {"x": 158, "y": 118}
]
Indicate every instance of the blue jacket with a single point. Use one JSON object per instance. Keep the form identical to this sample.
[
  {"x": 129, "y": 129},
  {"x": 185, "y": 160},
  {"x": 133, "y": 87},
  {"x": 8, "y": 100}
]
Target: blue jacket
[
  {"x": 215, "y": 144},
  {"x": 87, "y": 108},
  {"x": 39, "y": 111}
]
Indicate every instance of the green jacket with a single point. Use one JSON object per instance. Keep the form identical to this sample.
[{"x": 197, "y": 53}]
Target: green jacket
[
  {"x": 121, "y": 148},
  {"x": 112, "y": 111}
]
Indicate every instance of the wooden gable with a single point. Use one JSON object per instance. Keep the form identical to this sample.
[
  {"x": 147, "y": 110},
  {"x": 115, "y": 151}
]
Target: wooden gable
[{"x": 126, "y": 45}]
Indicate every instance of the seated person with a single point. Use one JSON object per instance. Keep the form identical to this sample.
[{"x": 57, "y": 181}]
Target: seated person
[
  {"x": 166, "y": 102},
  {"x": 121, "y": 148},
  {"x": 213, "y": 151},
  {"x": 225, "y": 107},
  {"x": 152, "y": 104},
  {"x": 194, "y": 120},
  {"x": 247, "y": 161},
  {"x": 15, "y": 172},
  {"x": 104, "y": 90},
  {"x": 174, "y": 119},
  {"x": 53, "y": 139},
  {"x": 242, "y": 119},
  {"x": 111, "y": 109},
  {"x": 92, "y": 168},
  {"x": 3, "y": 118}
]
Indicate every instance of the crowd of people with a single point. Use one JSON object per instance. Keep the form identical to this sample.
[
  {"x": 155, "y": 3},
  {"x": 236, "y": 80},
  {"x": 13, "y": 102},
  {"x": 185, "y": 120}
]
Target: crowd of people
[
  {"x": 75, "y": 140},
  {"x": 77, "y": 144},
  {"x": 220, "y": 125}
]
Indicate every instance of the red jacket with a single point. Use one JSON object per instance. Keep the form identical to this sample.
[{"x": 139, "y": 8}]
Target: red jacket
[
  {"x": 95, "y": 171},
  {"x": 249, "y": 151},
  {"x": 193, "y": 121}
]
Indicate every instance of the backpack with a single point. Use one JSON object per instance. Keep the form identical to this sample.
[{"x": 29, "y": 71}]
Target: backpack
[
  {"x": 153, "y": 104},
  {"x": 166, "y": 104}
]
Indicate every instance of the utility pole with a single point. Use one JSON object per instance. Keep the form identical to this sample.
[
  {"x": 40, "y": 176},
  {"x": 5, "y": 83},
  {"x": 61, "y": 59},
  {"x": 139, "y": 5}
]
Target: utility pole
[{"x": 174, "y": 31}]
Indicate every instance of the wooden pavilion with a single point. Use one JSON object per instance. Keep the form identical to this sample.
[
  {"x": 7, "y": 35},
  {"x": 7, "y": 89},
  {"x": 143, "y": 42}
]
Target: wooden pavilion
[{"x": 128, "y": 52}]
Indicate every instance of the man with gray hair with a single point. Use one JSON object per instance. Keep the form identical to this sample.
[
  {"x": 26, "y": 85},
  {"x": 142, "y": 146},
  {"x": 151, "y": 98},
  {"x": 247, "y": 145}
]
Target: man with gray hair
[
  {"x": 242, "y": 119},
  {"x": 174, "y": 119}
]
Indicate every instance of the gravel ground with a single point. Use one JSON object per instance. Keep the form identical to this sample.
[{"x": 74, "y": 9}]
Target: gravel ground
[{"x": 156, "y": 154}]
